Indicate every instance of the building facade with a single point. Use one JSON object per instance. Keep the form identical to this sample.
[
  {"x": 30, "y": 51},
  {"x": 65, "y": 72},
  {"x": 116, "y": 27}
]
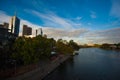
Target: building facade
[
  {"x": 14, "y": 25},
  {"x": 39, "y": 32},
  {"x": 3, "y": 36},
  {"x": 4, "y": 25},
  {"x": 4, "y": 33},
  {"x": 27, "y": 30}
]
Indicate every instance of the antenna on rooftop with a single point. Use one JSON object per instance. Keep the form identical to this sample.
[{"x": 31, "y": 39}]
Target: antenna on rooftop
[{"x": 15, "y": 14}]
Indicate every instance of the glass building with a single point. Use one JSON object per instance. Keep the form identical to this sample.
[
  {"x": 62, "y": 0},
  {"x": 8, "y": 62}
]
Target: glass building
[{"x": 14, "y": 25}]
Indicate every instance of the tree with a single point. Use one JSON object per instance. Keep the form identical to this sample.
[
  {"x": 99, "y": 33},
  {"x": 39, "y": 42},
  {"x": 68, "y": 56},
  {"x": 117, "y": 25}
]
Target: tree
[
  {"x": 63, "y": 48},
  {"x": 74, "y": 45}
]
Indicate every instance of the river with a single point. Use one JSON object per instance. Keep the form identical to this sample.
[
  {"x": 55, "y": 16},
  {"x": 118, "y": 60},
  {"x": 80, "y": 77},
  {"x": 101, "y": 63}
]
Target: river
[{"x": 90, "y": 64}]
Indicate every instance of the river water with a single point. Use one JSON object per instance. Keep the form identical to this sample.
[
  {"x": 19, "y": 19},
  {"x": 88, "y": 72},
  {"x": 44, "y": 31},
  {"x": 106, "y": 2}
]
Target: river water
[{"x": 90, "y": 64}]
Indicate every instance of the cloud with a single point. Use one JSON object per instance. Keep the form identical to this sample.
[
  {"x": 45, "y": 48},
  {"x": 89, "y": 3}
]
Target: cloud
[
  {"x": 4, "y": 17},
  {"x": 78, "y": 18},
  {"x": 53, "y": 18},
  {"x": 115, "y": 10},
  {"x": 93, "y": 14},
  {"x": 89, "y": 23},
  {"x": 103, "y": 36},
  {"x": 80, "y": 35},
  {"x": 60, "y": 33},
  {"x": 51, "y": 32},
  {"x": 33, "y": 26}
]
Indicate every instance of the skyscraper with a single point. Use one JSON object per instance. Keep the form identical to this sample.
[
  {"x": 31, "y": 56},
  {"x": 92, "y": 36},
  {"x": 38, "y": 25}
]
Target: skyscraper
[
  {"x": 41, "y": 32},
  {"x": 27, "y": 30},
  {"x": 14, "y": 25}
]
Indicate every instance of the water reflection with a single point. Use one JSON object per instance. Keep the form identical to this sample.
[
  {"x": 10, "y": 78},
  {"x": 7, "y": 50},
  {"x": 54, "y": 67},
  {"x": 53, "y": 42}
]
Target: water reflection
[{"x": 90, "y": 64}]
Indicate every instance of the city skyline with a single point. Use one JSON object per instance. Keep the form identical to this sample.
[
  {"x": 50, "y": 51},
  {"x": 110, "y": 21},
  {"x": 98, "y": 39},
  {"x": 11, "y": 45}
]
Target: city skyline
[
  {"x": 85, "y": 21},
  {"x": 26, "y": 30},
  {"x": 14, "y": 25}
]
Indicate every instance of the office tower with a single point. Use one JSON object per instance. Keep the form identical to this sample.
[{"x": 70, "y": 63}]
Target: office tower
[
  {"x": 27, "y": 30},
  {"x": 41, "y": 32},
  {"x": 36, "y": 32},
  {"x": 14, "y": 25}
]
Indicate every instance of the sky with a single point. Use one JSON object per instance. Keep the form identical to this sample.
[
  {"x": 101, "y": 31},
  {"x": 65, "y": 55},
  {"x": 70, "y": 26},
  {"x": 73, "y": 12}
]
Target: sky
[{"x": 84, "y": 21}]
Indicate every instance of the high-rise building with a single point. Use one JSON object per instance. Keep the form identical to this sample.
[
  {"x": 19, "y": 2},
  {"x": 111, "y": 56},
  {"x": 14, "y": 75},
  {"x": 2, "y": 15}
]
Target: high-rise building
[
  {"x": 27, "y": 30},
  {"x": 14, "y": 25},
  {"x": 39, "y": 32}
]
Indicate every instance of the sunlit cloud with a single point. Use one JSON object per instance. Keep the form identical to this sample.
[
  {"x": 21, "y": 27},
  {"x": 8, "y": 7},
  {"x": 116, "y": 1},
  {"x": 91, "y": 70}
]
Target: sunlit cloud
[
  {"x": 56, "y": 32},
  {"x": 49, "y": 31},
  {"x": 103, "y": 36},
  {"x": 4, "y": 17},
  {"x": 53, "y": 18},
  {"x": 80, "y": 35}
]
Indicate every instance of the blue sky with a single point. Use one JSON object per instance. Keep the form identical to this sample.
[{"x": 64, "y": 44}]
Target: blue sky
[{"x": 68, "y": 19}]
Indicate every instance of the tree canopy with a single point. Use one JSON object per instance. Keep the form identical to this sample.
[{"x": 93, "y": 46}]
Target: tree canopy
[{"x": 31, "y": 50}]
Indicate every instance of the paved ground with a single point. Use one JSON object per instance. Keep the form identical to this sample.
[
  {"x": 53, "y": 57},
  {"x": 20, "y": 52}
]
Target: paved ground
[{"x": 44, "y": 68}]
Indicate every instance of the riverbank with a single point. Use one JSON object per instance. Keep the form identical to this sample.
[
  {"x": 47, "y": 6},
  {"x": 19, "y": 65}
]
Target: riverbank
[
  {"x": 114, "y": 49},
  {"x": 90, "y": 64},
  {"x": 43, "y": 69}
]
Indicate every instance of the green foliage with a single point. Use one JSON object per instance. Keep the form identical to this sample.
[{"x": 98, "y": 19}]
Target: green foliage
[
  {"x": 31, "y": 50},
  {"x": 63, "y": 47},
  {"x": 74, "y": 45},
  {"x": 110, "y": 46},
  {"x": 105, "y": 45},
  {"x": 97, "y": 45}
]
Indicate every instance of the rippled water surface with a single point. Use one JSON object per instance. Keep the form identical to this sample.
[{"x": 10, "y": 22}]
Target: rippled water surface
[{"x": 90, "y": 64}]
